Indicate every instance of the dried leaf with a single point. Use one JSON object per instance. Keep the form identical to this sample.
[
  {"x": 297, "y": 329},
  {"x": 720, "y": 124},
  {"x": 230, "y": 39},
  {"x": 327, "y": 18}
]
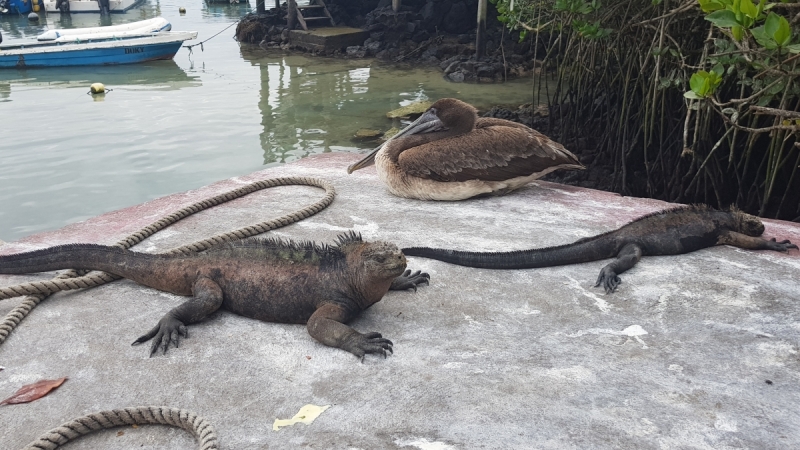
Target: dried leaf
[{"x": 35, "y": 391}]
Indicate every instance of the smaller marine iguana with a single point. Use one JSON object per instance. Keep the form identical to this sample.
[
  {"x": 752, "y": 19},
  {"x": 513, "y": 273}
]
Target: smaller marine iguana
[
  {"x": 323, "y": 286},
  {"x": 669, "y": 232}
]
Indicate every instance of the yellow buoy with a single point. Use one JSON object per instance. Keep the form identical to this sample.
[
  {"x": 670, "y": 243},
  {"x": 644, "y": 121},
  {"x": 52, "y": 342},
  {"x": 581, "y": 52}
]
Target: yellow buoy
[
  {"x": 97, "y": 88},
  {"x": 182, "y": 10}
]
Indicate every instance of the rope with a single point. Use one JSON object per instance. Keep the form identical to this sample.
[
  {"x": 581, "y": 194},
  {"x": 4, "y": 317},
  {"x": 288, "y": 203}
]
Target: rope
[
  {"x": 202, "y": 430},
  {"x": 38, "y": 290}
]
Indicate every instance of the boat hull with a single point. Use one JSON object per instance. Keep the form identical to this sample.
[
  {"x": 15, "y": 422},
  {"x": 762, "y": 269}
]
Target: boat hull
[{"x": 109, "y": 52}]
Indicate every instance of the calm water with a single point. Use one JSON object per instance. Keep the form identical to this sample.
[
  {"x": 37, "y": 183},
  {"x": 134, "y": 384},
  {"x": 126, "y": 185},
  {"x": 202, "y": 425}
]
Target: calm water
[{"x": 171, "y": 126}]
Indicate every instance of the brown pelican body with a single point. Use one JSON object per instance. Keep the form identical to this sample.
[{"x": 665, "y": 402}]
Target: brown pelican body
[{"x": 451, "y": 154}]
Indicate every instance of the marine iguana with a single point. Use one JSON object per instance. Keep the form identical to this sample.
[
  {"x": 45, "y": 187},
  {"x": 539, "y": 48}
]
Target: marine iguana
[
  {"x": 670, "y": 232},
  {"x": 323, "y": 286}
]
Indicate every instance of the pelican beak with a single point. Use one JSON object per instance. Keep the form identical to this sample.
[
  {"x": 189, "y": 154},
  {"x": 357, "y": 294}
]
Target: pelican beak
[
  {"x": 366, "y": 161},
  {"x": 426, "y": 123}
]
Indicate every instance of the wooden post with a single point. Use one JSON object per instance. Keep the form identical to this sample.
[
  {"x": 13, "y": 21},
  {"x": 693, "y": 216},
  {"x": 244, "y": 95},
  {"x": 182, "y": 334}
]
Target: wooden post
[
  {"x": 277, "y": 4},
  {"x": 261, "y": 7},
  {"x": 291, "y": 17},
  {"x": 395, "y": 5},
  {"x": 480, "y": 39}
]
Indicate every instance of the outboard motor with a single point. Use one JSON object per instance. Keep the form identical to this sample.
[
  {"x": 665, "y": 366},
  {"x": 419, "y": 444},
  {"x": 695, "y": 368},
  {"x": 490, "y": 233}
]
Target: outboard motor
[
  {"x": 104, "y": 7},
  {"x": 3, "y": 7},
  {"x": 62, "y": 6}
]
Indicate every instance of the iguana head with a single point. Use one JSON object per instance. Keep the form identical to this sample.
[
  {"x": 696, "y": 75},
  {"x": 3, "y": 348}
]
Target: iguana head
[
  {"x": 371, "y": 268},
  {"x": 748, "y": 224},
  {"x": 381, "y": 260}
]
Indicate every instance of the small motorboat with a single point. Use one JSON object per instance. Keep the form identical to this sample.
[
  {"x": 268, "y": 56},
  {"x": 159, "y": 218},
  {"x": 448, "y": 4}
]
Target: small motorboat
[
  {"x": 121, "y": 44},
  {"x": 140, "y": 27}
]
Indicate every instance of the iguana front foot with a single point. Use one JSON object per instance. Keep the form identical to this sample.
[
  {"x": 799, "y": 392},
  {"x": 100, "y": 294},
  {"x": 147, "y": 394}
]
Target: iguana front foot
[
  {"x": 372, "y": 342},
  {"x": 168, "y": 331},
  {"x": 609, "y": 279},
  {"x": 409, "y": 280},
  {"x": 782, "y": 246}
]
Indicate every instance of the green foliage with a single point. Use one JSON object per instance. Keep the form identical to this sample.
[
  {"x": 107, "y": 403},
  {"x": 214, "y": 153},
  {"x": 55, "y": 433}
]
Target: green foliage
[
  {"x": 676, "y": 113},
  {"x": 703, "y": 84}
]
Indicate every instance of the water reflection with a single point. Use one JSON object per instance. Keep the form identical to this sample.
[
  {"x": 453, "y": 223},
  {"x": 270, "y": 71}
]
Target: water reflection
[
  {"x": 151, "y": 76},
  {"x": 316, "y": 105},
  {"x": 225, "y": 9}
]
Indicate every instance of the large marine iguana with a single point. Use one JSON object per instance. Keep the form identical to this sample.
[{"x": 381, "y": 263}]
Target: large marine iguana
[
  {"x": 669, "y": 232},
  {"x": 323, "y": 286}
]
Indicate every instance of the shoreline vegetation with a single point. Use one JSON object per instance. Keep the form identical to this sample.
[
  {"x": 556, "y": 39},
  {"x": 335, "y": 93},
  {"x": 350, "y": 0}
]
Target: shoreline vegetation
[{"x": 685, "y": 101}]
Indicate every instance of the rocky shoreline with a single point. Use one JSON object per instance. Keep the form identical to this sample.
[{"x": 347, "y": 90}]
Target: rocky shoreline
[{"x": 419, "y": 34}]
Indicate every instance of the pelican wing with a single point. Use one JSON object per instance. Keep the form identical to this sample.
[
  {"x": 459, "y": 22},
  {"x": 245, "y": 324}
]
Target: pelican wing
[{"x": 491, "y": 152}]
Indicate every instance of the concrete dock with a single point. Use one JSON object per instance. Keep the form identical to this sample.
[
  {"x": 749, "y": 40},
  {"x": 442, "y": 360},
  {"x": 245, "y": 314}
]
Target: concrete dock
[{"x": 696, "y": 351}]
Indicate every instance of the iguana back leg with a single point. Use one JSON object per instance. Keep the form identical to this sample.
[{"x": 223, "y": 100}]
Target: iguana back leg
[
  {"x": 626, "y": 258},
  {"x": 753, "y": 243},
  {"x": 327, "y": 326},
  {"x": 207, "y": 298}
]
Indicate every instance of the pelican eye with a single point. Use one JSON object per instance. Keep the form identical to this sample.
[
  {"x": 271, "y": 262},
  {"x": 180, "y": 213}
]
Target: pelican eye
[{"x": 433, "y": 110}]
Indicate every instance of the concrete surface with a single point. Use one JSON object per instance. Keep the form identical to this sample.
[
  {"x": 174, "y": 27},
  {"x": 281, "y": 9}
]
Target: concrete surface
[
  {"x": 679, "y": 357},
  {"x": 328, "y": 38}
]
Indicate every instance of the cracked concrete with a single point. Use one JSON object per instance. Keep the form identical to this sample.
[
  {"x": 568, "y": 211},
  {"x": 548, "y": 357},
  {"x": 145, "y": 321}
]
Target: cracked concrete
[{"x": 693, "y": 351}]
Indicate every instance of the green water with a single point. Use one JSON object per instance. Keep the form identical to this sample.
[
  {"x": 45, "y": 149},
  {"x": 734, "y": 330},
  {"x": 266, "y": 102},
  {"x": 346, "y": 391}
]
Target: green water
[{"x": 171, "y": 126}]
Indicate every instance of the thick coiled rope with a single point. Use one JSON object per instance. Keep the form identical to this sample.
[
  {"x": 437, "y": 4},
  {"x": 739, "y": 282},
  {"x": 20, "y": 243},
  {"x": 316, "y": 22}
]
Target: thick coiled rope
[
  {"x": 72, "y": 279},
  {"x": 142, "y": 415}
]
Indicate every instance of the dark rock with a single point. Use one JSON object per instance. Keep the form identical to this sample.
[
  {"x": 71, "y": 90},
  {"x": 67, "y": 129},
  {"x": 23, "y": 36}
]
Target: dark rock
[
  {"x": 421, "y": 36},
  {"x": 433, "y": 13},
  {"x": 372, "y": 46},
  {"x": 499, "y": 112},
  {"x": 485, "y": 71},
  {"x": 464, "y": 39},
  {"x": 458, "y": 20},
  {"x": 446, "y": 63},
  {"x": 429, "y": 60},
  {"x": 356, "y": 51},
  {"x": 452, "y": 67},
  {"x": 456, "y": 77}
]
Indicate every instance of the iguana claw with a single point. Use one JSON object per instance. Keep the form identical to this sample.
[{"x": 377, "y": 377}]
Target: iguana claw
[
  {"x": 361, "y": 344},
  {"x": 782, "y": 246},
  {"x": 410, "y": 280},
  {"x": 609, "y": 279},
  {"x": 168, "y": 331}
]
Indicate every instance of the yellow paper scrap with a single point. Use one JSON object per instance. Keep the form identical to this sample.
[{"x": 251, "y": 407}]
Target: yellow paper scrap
[{"x": 306, "y": 415}]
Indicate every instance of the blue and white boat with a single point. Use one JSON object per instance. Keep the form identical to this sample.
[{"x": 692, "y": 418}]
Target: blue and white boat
[{"x": 123, "y": 44}]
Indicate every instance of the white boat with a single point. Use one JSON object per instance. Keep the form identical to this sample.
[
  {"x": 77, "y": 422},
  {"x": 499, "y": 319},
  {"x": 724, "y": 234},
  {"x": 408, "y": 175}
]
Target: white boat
[
  {"x": 92, "y": 6},
  {"x": 153, "y": 25}
]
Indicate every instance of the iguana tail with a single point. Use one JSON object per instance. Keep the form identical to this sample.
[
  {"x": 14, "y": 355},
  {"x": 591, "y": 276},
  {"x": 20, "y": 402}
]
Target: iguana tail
[
  {"x": 71, "y": 256},
  {"x": 584, "y": 250}
]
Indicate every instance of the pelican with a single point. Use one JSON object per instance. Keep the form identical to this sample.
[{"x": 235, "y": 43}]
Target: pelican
[{"x": 451, "y": 154}]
